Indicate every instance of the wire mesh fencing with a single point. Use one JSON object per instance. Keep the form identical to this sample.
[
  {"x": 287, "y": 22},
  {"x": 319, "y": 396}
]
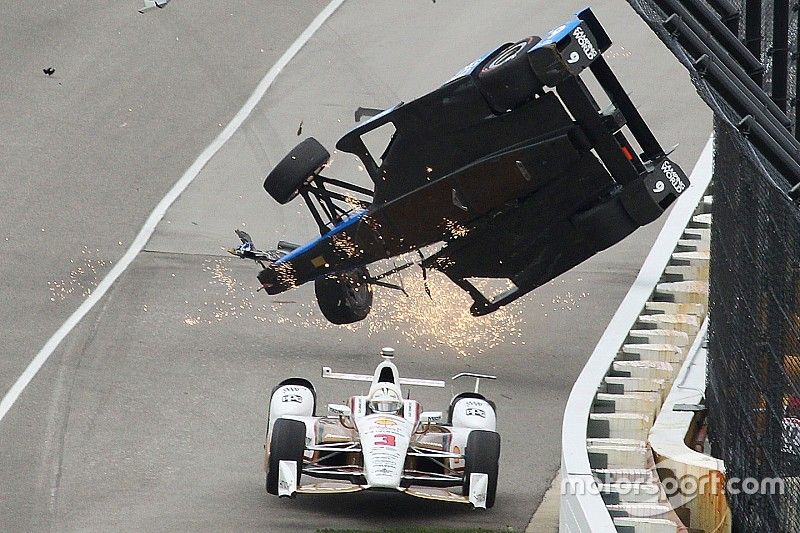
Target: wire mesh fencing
[{"x": 754, "y": 339}]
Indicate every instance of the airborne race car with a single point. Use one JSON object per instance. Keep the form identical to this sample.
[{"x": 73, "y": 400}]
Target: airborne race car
[
  {"x": 382, "y": 441},
  {"x": 511, "y": 165}
]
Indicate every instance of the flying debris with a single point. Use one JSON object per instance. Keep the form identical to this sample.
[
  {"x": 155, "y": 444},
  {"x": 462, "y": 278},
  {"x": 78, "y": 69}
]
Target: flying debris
[
  {"x": 150, "y": 4},
  {"x": 300, "y": 129},
  {"x": 49, "y": 71}
]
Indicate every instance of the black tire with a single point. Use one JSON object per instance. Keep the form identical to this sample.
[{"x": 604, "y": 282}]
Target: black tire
[
  {"x": 507, "y": 81},
  {"x": 482, "y": 456},
  {"x": 298, "y": 167},
  {"x": 345, "y": 297},
  {"x": 288, "y": 443}
]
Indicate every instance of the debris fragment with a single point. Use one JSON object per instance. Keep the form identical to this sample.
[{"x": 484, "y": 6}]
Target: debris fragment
[
  {"x": 49, "y": 71},
  {"x": 150, "y": 4}
]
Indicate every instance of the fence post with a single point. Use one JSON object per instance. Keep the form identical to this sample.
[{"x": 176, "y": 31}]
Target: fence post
[
  {"x": 780, "y": 52},
  {"x": 752, "y": 33}
]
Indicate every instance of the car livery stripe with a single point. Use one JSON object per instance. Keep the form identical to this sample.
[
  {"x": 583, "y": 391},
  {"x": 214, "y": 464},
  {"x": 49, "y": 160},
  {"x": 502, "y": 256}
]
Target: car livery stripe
[{"x": 340, "y": 227}]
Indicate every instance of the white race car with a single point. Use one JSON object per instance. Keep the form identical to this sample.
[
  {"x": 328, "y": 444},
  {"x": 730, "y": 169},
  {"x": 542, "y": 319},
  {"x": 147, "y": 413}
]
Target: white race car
[{"x": 382, "y": 441}]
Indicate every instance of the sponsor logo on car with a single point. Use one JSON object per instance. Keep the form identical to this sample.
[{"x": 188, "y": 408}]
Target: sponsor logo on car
[
  {"x": 673, "y": 177},
  {"x": 292, "y": 398},
  {"x": 584, "y": 42}
]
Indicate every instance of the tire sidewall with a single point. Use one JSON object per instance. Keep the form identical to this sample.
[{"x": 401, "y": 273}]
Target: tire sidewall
[
  {"x": 297, "y": 168},
  {"x": 506, "y": 54},
  {"x": 345, "y": 297},
  {"x": 482, "y": 456},
  {"x": 286, "y": 444},
  {"x": 507, "y": 80}
]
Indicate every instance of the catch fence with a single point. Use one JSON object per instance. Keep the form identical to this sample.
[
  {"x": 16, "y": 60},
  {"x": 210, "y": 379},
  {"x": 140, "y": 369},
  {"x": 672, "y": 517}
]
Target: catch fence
[{"x": 753, "y": 388}]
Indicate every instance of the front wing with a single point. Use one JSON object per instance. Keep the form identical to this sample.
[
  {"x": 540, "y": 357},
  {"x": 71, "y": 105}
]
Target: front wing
[
  {"x": 476, "y": 498},
  {"x": 346, "y": 479}
]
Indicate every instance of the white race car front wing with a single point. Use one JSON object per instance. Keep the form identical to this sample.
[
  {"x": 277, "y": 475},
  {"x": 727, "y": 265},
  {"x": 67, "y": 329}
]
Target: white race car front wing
[{"x": 288, "y": 486}]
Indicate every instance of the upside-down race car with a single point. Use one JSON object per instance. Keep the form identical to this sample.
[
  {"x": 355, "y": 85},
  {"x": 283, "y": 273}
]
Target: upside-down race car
[
  {"x": 511, "y": 165},
  {"x": 382, "y": 441}
]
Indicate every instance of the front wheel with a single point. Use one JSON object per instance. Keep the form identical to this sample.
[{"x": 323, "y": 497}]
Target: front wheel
[
  {"x": 296, "y": 169},
  {"x": 482, "y": 456},
  {"x": 345, "y": 297},
  {"x": 288, "y": 443}
]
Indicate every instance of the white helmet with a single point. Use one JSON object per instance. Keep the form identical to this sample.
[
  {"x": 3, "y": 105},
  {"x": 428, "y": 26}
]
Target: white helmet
[{"x": 385, "y": 400}]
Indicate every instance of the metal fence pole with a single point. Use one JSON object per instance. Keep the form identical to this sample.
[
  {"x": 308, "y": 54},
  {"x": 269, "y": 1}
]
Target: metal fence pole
[
  {"x": 728, "y": 12},
  {"x": 752, "y": 32},
  {"x": 796, "y": 8},
  {"x": 780, "y": 53}
]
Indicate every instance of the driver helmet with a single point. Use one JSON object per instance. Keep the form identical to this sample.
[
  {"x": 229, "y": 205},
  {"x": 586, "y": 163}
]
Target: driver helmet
[{"x": 385, "y": 400}]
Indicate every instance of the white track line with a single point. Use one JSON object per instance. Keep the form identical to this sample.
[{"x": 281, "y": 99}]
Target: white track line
[{"x": 158, "y": 213}]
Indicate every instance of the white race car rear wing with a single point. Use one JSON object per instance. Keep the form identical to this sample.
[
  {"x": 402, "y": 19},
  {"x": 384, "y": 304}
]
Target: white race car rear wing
[{"x": 327, "y": 372}]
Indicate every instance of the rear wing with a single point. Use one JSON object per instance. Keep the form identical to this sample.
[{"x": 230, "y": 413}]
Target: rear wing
[
  {"x": 558, "y": 60},
  {"x": 327, "y": 372},
  {"x": 569, "y": 49}
]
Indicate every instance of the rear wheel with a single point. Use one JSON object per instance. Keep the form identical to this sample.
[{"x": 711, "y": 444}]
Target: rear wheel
[
  {"x": 482, "y": 456},
  {"x": 508, "y": 81},
  {"x": 288, "y": 443},
  {"x": 345, "y": 297},
  {"x": 296, "y": 169}
]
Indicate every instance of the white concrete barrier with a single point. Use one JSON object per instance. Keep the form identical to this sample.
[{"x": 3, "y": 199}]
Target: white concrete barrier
[
  {"x": 707, "y": 509},
  {"x": 583, "y": 508}
]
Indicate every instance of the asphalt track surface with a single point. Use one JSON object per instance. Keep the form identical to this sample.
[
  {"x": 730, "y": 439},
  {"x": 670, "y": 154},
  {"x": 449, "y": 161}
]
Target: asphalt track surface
[{"x": 150, "y": 415}]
